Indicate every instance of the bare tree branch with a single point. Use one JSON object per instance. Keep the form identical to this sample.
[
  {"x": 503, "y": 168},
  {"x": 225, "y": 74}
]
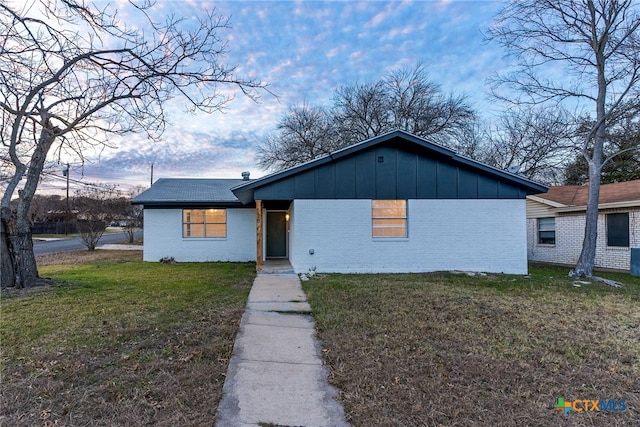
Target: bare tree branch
[
  {"x": 403, "y": 99},
  {"x": 69, "y": 81},
  {"x": 580, "y": 52}
]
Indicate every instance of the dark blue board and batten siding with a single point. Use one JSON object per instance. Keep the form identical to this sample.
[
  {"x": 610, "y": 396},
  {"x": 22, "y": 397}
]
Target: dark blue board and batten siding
[{"x": 388, "y": 172}]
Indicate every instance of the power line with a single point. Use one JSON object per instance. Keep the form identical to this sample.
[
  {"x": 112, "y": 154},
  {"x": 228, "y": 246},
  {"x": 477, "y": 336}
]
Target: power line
[{"x": 75, "y": 181}]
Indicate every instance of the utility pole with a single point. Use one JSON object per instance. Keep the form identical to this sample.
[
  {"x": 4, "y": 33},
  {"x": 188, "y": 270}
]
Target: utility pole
[
  {"x": 151, "y": 174},
  {"x": 66, "y": 221}
]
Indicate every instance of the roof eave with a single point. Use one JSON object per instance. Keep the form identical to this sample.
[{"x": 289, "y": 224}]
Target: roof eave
[
  {"x": 545, "y": 201},
  {"x": 601, "y": 206},
  {"x": 186, "y": 203}
]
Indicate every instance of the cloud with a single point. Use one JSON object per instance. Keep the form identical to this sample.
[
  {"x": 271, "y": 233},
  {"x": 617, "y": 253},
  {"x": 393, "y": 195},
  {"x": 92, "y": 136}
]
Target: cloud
[
  {"x": 354, "y": 56},
  {"x": 197, "y": 155},
  {"x": 304, "y": 51},
  {"x": 335, "y": 51},
  {"x": 379, "y": 17}
]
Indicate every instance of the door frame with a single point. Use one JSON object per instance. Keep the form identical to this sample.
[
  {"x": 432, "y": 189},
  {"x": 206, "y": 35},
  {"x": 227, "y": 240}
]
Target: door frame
[{"x": 286, "y": 231}]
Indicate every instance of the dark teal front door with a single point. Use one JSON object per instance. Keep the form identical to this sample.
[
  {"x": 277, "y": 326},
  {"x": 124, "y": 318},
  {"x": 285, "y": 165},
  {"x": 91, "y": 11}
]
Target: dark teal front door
[{"x": 276, "y": 235}]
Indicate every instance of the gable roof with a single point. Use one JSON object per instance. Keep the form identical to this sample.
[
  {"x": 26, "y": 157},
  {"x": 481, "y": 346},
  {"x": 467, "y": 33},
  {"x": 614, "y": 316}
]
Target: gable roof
[
  {"x": 189, "y": 192},
  {"x": 574, "y": 197},
  {"x": 245, "y": 191}
]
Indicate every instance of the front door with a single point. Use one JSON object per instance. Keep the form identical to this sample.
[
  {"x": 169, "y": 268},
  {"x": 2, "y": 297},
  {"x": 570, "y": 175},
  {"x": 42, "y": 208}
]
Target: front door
[{"x": 276, "y": 235}]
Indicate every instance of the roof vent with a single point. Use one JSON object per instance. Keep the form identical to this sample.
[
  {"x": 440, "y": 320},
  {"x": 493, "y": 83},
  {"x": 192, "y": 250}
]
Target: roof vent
[
  {"x": 245, "y": 176},
  {"x": 514, "y": 169}
]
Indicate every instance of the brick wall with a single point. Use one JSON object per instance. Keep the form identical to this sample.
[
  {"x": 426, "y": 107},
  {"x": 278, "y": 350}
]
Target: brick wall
[
  {"x": 569, "y": 236},
  {"x": 163, "y": 238},
  {"x": 471, "y": 235}
]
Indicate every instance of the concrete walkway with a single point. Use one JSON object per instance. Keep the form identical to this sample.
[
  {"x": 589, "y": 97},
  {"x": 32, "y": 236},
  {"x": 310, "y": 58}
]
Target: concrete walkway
[
  {"x": 118, "y": 247},
  {"x": 276, "y": 375}
]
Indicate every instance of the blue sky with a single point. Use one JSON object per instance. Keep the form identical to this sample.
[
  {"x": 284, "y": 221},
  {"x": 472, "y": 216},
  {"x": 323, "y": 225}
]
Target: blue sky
[{"x": 304, "y": 50}]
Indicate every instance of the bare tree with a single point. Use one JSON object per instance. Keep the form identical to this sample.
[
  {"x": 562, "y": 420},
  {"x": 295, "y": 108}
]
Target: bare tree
[
  {"x": 70, "y": 75},
  {"x": 133, "y": 215},
  {"x": 419, "y": 106},
  {"x": 99, "y": 206},
  {"x": 404, "y": 99},
  {"x": 47, "y": 207},
  {"x": 533, "y": 142},
  {"x": 96, "y": 207},
  {"x": 361, "y": 111},
  {"x": 584, "y": 52},
  {"x": 304, "y": 134},
  {"x": 621, "y": 150}
]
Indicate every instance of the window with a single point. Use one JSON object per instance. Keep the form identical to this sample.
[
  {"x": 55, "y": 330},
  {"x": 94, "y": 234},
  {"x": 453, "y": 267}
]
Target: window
[
  {"x": 618, "y": 229},
  {"x": 389, "y": 218},
  {"x": 204, "y": 223},
  {"x": 547, "y": 231}
]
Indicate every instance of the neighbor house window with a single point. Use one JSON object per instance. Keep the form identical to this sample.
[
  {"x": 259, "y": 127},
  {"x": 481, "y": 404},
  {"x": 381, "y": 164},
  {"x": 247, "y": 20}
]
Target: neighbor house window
[
  {"x": 204, "y": 223},
  {"x": 389, "y": 218},
  {"x": 618, "y": 229},
  {"x": 547, "y": 231}
]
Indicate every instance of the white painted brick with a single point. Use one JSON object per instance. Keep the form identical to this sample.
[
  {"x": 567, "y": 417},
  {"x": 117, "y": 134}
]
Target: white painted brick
[
  {"x": 163, "y": 238},
  {"x": 471, "y": 235}
]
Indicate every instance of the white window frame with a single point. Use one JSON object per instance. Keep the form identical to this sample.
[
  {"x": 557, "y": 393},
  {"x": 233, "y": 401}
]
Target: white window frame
[
  {"x": 186, "y": 223},
  {"x": 377, "y": 220},
  {"x": 545, "y": 228}
]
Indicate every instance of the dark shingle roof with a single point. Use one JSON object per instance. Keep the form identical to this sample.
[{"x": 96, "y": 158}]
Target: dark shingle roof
[{"x": 181, "y": 191}]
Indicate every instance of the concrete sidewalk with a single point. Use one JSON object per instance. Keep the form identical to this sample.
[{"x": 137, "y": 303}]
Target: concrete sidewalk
[
  {"x": 276, "y": 375},
  {"x": 118, "y": 247}
]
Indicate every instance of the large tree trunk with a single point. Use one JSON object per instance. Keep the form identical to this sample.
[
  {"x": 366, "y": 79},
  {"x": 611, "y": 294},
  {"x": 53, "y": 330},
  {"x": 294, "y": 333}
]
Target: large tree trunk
[
  {"x": 19, "y": 267},
  {"x": 7, "y": 276},
  {"x": 584, "y": 266},
  {"x": 17, "y": 224},
  {"x": 24, "y": 262}
]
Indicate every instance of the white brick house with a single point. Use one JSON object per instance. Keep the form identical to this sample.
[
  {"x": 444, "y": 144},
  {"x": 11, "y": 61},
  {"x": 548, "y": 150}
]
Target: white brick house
[
  {"x": 394, "y": 203},
  {"x": 556, "y": 220}
]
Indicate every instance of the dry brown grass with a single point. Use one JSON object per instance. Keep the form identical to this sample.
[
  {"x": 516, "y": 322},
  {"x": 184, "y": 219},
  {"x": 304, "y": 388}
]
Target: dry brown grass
[
  {"x": 120, "y": 342},
  {"x": 84, "y": 256},
  {"x": 451, "y": 350}
]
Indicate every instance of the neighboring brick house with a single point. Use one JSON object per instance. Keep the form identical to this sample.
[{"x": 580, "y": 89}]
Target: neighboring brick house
[
  {"x": 556, "y": 220},
  {"x": 394, "y": 203}
]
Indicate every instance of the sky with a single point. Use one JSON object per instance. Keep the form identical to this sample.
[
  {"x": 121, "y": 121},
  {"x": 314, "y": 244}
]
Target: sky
[{"x": 304, "y": 51}]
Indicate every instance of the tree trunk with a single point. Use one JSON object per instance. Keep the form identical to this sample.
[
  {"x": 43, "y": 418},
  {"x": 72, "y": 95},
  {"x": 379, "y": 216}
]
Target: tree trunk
[
  {"x": 17, "y": 224},
  {"x": 584, "y": 266},
  {"x": 26, "y": 270},
  {"x": 19, "y": 267},
  {"x": 7, "y": 276}
]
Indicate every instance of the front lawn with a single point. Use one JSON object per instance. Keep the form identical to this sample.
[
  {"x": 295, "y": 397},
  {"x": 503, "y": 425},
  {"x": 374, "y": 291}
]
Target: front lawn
[
  {"x": 120, "y": 342},
  {"x": 453, "y": 350}
]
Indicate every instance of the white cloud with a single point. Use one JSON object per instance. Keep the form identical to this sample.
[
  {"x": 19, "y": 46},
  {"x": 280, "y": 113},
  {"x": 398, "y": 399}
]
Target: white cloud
[
  {"x": 378, "y": 18},
  {"x": 304, "y": 51},
  {"x": 354, "y": 56}
]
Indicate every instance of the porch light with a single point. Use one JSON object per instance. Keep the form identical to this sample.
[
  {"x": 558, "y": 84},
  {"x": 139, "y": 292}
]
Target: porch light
[{"x": 286, "y": 216}]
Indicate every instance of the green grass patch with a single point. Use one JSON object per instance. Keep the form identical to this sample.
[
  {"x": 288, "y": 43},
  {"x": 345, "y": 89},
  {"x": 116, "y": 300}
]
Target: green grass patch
[
  {"x": 450, "y": 349},
  {"x": 120, "y": 342}
]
